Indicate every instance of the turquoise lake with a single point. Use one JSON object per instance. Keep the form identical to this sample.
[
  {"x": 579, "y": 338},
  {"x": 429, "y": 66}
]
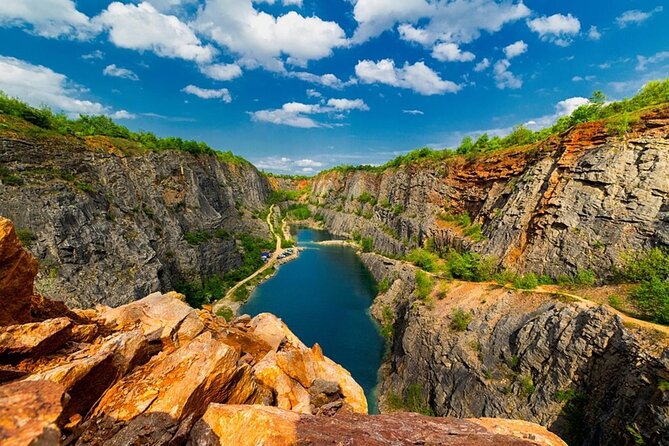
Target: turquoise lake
[{"x": 324, "y": 296}]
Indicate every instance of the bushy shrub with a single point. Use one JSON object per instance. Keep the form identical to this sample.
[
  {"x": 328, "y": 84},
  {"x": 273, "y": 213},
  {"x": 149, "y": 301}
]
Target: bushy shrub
[
  {"x": 460, "y": 319},
  {"x": 423, "y": 259},
  {"x": 527, "y": 281},
  {"x": 424, "y": 285}
]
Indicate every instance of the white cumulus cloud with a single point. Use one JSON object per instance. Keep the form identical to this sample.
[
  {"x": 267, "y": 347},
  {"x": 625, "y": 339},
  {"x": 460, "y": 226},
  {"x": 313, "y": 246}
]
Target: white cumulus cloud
[
  {"x": 142, "y": 27},
  {"x": 47, "y": 18},
  {"x": 426, "y": 22},
  {"x": 558, "y": 29},
  {"x": 505, "y": 78},
  {"x": 207, "y": 93},
  {"x": 636, "y": 16},
  {"x": 297, "y": 114},
  {"x": 221, "y": 72},
  {"x": 260, "y": 39},
  {"x": 515, "y": 49},
  {"x": 417, "y": 77},
  {"x": 114, "y": 71},
  {"x": 483, "y": 65},
  {"x": 38, "y": 85},
  {"x": 594, "y": 34},
  {"x": 451, "y": 52}
]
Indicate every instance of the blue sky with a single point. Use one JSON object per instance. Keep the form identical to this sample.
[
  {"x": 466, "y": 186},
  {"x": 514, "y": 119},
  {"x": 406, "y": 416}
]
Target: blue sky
[{"x": 297, "y": 86}]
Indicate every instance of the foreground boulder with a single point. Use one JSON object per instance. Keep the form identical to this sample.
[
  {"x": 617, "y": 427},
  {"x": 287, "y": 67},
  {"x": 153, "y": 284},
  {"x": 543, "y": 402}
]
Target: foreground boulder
[
  {"x": 158, "y": 372},
  {"x": 270, "y": 426}
]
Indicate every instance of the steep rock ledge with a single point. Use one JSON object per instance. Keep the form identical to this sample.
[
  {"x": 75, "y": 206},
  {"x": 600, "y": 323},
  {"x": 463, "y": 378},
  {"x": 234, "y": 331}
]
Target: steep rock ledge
[
  {"x": 573, "y": 368},
  {"x": 573, "y": 202},
  {"x": 109, "y": 227},
  {"x": 157, "y": 372}
]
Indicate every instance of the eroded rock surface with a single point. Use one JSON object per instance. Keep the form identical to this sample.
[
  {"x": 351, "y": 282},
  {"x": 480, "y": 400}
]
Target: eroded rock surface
[
  {"x": 577, "y": 201},
  {"x": 157, "y": 372},
  {"x": 110, "y": 227},
  {"x": 574, "y": 368}
]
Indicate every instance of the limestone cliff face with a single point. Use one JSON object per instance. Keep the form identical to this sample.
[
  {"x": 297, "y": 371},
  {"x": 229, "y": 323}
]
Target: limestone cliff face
[
  {"x": 572, "y": 367},
  {"x": 109, "y": 227},
  {"x": 577, "y": 201},
  {"x": 157, "y": 372}
]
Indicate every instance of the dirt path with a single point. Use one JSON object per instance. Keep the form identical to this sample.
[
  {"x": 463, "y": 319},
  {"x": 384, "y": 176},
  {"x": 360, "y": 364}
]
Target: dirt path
[
  {"x": 270, "y": 262},
  {"x": 625, "y": 317}
]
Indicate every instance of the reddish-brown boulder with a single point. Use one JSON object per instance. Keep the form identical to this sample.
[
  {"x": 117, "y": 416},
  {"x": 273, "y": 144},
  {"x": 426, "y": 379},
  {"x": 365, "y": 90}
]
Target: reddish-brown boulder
[
  {"x": 271, "y": 426},
  {"x": 17, "y": 273},
  {"x": 28, "y": 413}
]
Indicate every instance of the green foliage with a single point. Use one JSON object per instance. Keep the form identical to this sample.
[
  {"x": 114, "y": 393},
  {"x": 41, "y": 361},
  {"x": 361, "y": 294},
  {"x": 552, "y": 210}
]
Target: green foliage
[
  {"x": 241, "y": 294},
  {"x": 464, "y": 221},
  {"x": 85, "y": 187},
  {"x": 663, "y": 386},
  {"x": 10, "y": 179},
  {"x": 197, "y": 237},
  {"x": 367, "y": 244},
  {"x": 527, "y": 281},
  {"x": 413, "y": 401},
  {"x": 642, "y": 265},
  {"x": 585, "y": 278},
  {"x": 527, "y": 386},
  {"x": 635, "y": 434},
  {"x": 104, "y": 126},
  {"x": 423, "y": 259},
  {"x": 299, "y": 212},
  {"x": 202, "y": 292},
  {"x": 387, "y": 319},
  {"x": 366, "y": 197},
  {"x": 650, "y": 269},
  {"x": 460, "y": 320},
  {"x": 398, "y": 209},
  {"x": 652, "y": 298},
  {"x": 470, "y": 266},
  {"x": 281, "y": 195},
  {"x": 26, "y": 237},
  {"x": 384, "y": 285},
  {"x": 424, "y": 285},
  {"x": 226, "y": 313}
]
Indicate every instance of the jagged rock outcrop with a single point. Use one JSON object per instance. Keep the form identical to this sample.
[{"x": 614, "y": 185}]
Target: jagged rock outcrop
[
  {"x": 574, "y": 202},
  {"x": 574, "y": 368},
  {"x": 157, "y": 372},
  {"x": 109, "y": 226}
]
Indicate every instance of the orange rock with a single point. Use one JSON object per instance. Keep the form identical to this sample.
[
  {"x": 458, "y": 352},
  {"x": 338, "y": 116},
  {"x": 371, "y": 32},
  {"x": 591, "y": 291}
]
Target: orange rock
[
  {"x": 35, "y": 338},
  {"x": 177, "y": 384},
  {"x": 245, "y": 426},
  {"x": 269, "y": 426},
  {"x": 17, "y": 273},
  {"x": 28, "y": 413}
]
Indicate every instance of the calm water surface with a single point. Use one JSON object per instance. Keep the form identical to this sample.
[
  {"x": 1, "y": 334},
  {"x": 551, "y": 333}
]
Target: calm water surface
[{"x": 324, "y": 296}]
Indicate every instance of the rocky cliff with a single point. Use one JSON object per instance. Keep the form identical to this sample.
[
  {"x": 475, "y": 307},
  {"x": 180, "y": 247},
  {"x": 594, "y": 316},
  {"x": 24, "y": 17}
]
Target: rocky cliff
[
  {"x": 572, "y": 367},
  {"x": 576, "y": 201},
  {"x": 111, "y": 225},
  {"x": 157, "y": 372}
]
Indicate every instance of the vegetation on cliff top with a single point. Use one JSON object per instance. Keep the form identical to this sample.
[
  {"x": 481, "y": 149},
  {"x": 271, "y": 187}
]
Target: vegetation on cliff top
[
  {"x": 47, "y": 123},
  {"x": 618, "y": 115}
]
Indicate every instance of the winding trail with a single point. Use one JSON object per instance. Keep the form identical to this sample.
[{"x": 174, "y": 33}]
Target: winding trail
[
  {"x": 270, "y": 262},
  {"x": 625, "y": 317}
]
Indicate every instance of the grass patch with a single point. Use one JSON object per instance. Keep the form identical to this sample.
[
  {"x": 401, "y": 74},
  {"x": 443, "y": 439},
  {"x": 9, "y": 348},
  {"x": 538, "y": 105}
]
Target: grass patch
[
  {"x": 26, "y": 237},
  {"x": 413, "y": 401},
  {"x": 424, "y": 285},
  {"x": 460, "y": 320},
  {"x": 226, "y": 313},
  {"x": 650, "y": 270}
]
